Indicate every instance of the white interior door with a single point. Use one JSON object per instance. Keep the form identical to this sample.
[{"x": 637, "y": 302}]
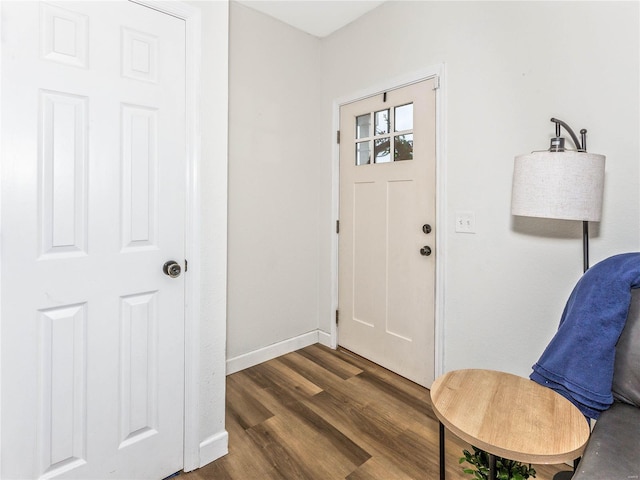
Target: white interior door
[
  {"x": 92, "y": 206},
  {"x": 386, "y": 257}
]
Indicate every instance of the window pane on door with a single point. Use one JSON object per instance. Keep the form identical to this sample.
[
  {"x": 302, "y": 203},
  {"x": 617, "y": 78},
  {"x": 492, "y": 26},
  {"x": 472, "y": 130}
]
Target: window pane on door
[
  {"x": 403, "y": 147},
  {"x": 363, "y": 125},
  {"x": 363, "y": 153},
  {"x": 382, "y": 122},
  {"x": 382, "y": 150},
  {"x": 404, "y": 117}
]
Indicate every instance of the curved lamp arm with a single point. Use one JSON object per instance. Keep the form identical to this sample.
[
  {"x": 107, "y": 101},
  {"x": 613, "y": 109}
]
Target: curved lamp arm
[{"x": 580, "y": 146}]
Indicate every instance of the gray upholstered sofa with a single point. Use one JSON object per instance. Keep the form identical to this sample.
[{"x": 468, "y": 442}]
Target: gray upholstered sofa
[{"x": 613, "y": 451}]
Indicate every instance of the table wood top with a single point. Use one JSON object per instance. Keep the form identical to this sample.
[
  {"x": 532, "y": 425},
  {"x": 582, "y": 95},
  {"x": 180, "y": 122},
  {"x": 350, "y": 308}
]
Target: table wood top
[{"x": 510, "y": 416}]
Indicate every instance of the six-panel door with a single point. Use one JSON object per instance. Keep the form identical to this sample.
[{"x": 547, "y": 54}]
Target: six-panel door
[{"x": 93, "y": 205}]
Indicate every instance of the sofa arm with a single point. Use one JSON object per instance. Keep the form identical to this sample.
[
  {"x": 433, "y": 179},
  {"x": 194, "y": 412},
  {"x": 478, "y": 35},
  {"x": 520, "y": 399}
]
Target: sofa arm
[{"x": 613, "y": 450}]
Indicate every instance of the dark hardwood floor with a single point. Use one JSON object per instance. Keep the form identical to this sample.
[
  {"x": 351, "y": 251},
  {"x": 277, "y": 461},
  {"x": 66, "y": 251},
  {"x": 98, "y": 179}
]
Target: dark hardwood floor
[{"x": 320, "y": 414}]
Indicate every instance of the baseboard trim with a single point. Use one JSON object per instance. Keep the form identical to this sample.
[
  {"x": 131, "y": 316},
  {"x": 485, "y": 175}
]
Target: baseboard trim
[
  {"x": 269, "y": 352},
  {"x": 214, "y": 447},
  {"x": 324, "y": 338}
]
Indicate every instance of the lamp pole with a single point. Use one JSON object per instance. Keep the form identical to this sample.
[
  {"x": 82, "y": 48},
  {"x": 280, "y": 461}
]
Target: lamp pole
[
  {"x": 557, "y": 145},
  {"x": 585, "y": 246}
]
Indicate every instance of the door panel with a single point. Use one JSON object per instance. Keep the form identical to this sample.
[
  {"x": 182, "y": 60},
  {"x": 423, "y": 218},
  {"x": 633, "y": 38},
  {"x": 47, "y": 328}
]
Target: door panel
[
  {"x": 387, "y": 193},
  {"x": 92, "y": 331}
]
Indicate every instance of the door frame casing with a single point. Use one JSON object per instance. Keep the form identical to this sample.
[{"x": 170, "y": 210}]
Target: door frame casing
[
  {"x": 440, "y": 258},
  {"x": 194, "y": 447}
]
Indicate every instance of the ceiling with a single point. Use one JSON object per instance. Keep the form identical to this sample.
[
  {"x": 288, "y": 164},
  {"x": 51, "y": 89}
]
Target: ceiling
[{"x": 316, "y": 17}]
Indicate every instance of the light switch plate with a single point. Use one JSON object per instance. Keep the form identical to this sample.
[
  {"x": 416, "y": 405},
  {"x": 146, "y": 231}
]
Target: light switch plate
[{"x": 465, "y": 222}]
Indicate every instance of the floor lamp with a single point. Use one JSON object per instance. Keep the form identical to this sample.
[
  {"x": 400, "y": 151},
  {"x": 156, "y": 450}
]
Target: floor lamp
[{"x": 560, "y": 183}]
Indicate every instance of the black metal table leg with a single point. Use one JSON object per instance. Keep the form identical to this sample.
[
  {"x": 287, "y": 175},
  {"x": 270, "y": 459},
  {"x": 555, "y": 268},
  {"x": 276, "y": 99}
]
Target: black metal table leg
[
  {"x": 442, "y": 451},
  {"x": 492, "y": 466}
]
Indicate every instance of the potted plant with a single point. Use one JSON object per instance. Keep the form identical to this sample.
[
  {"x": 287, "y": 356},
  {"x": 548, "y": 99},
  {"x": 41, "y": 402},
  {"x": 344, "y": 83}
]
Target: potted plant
[{"x": 505, "y": 469}]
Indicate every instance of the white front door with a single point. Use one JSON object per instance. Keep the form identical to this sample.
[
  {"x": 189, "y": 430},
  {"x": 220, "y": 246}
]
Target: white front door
[
  {"x": 92, "y": 206},
  {"x": 387, "y": 229}
]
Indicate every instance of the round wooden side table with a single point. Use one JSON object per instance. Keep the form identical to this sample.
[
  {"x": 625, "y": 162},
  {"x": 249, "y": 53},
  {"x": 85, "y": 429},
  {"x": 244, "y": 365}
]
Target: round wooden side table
[{"x": 508, "y": 416}]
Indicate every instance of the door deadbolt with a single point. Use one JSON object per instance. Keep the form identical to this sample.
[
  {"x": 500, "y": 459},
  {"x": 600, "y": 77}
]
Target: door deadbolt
[
  {"x": 172, "y": 269},
  {"x": 425, "y": 251},
  {"x": 426, "y": 228}
]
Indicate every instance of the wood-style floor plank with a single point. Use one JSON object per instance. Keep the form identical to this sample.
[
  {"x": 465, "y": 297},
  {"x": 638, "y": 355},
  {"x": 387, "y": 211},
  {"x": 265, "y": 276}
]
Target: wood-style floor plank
[
  {"x": 320, "y": 414},
  {"x": 247, "y": 410}
]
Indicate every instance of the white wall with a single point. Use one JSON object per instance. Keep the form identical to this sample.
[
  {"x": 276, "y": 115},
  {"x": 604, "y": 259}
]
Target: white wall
[
  {"x": 274, "y": 164},
  {"x": 510, "y": 66}
]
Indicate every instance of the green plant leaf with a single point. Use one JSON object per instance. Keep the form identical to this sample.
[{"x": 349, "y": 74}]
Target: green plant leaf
[{"x": 506, "y": 469}]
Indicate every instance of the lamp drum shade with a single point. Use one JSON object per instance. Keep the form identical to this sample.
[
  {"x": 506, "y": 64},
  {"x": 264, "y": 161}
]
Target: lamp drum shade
[{"x": 566, "y": 185}]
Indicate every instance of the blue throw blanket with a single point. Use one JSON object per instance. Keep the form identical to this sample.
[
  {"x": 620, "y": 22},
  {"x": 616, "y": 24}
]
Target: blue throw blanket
[{"x": 578, "y": 362}]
